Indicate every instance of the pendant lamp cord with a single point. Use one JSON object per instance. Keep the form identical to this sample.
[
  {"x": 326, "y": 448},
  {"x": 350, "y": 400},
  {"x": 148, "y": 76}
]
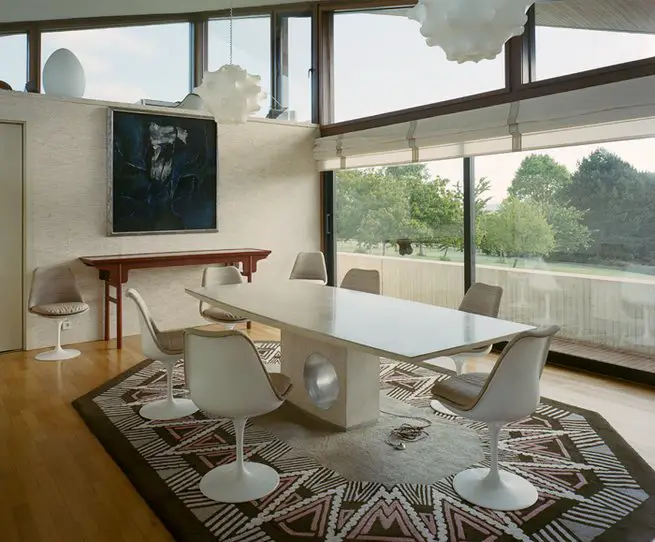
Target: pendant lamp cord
[{"x": 230, "y": 33}]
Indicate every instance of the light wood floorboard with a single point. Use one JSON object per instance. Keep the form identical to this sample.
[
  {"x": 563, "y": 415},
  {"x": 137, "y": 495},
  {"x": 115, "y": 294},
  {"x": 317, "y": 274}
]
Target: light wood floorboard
[{"x": 58, "y": 484}]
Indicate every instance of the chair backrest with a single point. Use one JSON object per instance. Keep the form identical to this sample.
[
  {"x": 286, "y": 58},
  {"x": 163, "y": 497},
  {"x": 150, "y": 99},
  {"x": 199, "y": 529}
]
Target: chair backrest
[
  {"x": 150, "y": 344},
  {"x": 225, "y": 374},
  {"x": 512, "y": 389},
  {"x": 218, "y": 275},
  {"x": 309, "y": 266},
  {"x": 362, "y": 280},
  {"x": 482, "y": 299},
  {"x": 54, "y": 285}
]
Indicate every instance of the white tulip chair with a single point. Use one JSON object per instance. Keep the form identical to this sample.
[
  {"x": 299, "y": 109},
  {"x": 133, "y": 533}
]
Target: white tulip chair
[
  {"x": 310, "y": 267},
  {"x": 510, "y": 393},
  {"x": 166, "y": 347},
  {"x": 218, "y": 275},
  {"x": 227, "y": 379}
]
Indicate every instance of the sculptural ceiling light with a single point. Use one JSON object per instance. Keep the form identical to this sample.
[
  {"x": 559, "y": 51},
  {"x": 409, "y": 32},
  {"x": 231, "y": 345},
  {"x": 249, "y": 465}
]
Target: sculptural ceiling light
[
  {"x": 230, "y": 93},
  {"x": 470, "y": 30}
]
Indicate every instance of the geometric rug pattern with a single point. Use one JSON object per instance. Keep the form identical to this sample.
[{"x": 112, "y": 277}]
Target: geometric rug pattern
[{"x": 592, "y": 485}]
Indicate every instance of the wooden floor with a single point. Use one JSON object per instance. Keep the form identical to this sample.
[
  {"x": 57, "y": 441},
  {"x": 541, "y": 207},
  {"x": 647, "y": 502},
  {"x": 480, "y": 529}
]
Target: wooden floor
[
  {"x": 611, "y": 356},
  {"x": 58, "y": 484}
]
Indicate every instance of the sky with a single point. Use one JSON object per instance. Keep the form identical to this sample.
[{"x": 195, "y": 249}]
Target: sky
[{"x": 382, "y": 63}]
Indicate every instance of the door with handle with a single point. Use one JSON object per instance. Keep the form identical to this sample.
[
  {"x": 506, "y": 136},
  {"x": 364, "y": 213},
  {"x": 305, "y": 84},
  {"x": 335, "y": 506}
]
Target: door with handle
[{"x": 11, "y": 236}]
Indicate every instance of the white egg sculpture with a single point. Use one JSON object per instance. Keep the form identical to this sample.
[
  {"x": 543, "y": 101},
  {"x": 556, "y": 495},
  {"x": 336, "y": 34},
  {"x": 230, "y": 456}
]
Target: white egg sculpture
[{"x": 63, "y": 75}]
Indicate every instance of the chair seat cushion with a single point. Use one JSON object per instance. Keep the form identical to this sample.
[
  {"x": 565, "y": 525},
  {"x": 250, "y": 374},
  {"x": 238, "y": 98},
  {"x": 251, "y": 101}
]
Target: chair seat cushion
[
  {"x": 172, "y": 341},
  {"x": 60, "y": 309},
  {"x": 281, "y": 383},
  {"x": 219, "y": 315},
  {"x": 461, "y": 391}
]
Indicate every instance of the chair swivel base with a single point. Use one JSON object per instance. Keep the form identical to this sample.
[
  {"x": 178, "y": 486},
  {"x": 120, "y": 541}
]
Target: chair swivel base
[
  {"x": 437, "y": 406},
  {"x": 166, "y": 409},
  {"x": 226, "y": 484},
  {"x": 511, "y": 493},
  {"x": 57, "y": 354}
]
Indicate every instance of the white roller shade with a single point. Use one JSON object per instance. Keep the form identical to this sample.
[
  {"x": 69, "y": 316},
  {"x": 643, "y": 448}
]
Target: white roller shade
[{"x": 616, "y": 111}]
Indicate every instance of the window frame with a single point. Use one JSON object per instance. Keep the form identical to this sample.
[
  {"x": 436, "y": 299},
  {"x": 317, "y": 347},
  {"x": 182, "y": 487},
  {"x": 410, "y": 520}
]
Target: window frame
[
  {"x": 25, "y": 34},
  {"x": 520, "y": 84}
]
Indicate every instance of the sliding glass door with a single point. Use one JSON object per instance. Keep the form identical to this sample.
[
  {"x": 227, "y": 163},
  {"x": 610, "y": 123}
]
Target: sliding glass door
[
  {"x": 407, "y": 223},
  {"x": 569, "y": 234}
]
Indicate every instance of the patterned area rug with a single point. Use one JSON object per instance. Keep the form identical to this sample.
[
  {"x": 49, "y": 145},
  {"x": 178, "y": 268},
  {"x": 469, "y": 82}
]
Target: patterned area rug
[{"x": 592, "y": 484}]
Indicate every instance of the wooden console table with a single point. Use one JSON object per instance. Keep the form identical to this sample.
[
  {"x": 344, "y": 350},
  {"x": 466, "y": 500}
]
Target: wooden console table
[{"x": 113, "y": 270}]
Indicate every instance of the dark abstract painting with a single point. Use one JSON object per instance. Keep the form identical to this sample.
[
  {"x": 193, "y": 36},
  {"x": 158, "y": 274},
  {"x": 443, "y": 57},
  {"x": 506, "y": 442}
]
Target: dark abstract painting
[{"x": 163, "y": 173}]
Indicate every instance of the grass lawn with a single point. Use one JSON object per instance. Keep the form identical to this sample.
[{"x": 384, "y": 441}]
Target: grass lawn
[{"x": 481, "y": 259}]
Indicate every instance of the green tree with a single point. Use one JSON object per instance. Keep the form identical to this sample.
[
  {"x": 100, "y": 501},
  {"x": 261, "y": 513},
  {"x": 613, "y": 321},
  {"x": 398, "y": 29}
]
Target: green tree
[
  {"x": 540, "y": 178},
  {"x": 372, "y": 207},
  {"x": 438, "y": 211},
  {"x": 569, "y": 229},
  {"x": 482, "y": 199},
  {"x": 616, "y": 199},
  {"x": 351, "y": 202},
  {"x": 518, "y": 228},
  {"x": 409, "y": 172}
]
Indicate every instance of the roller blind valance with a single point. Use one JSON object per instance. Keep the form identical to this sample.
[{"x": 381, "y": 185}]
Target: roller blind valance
[{"x": 616, "y": 111}]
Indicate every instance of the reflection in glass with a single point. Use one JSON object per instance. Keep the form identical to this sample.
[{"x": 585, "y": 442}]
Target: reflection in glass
[
  {"x": 251, "y": 49},
  {"x": 129, "y": 64},
  {"x": 382, "y": 63},
  {"x": 597, "y": 37},
  {"x": 297, "y": 82},
  {"x": 13, "y": 60},
  {"x": 568, "y": 233},
  {"x": 406, "y": 222}
]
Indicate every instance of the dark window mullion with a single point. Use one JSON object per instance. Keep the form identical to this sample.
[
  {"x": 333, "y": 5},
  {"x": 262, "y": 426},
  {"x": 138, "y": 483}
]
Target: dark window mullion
[
  {"x": 328, "y": 242},
  {"x": 469, "y": 222},
  {"x": 199, "y": 51},
  {"x": 34, "y": 59}
]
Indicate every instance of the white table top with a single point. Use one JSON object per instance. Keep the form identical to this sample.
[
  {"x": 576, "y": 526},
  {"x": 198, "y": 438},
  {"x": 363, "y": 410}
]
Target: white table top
[{"x": 385, "y": 326}]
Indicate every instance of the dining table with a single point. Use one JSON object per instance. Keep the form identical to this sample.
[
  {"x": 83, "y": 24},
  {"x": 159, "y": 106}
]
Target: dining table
[{"x": 332, "y": 339}]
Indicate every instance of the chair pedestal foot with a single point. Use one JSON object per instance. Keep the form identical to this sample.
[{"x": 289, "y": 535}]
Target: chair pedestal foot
[
  {"x": 509, "y": 493},
  {"x": 165, "y": 409},
  {"x": 438, "y": 407},
  {"x": 58, "y": 354},
  {"x": 227, "y": 484}
]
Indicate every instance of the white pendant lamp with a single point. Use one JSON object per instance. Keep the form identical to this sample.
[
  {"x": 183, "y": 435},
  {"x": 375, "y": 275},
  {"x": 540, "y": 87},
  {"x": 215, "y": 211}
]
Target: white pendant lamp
[
  {"x": 470, "y": 30},
  {"x": 230, "y": 93}
]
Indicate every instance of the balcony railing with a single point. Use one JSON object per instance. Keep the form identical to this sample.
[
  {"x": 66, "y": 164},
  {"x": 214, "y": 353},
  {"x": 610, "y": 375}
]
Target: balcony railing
[{"x": 599, "y": 311}]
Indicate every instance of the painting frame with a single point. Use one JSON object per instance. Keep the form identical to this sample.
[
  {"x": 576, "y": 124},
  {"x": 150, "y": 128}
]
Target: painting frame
[{"x": 186, "y": 117}]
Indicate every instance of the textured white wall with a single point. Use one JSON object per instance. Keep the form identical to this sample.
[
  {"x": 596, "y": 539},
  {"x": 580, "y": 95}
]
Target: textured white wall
[{"x": 268, "y": 198}]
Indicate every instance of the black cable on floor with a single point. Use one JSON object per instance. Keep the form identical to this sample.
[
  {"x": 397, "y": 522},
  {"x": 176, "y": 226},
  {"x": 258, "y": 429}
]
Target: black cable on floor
[{"x": 406, "y": 432}]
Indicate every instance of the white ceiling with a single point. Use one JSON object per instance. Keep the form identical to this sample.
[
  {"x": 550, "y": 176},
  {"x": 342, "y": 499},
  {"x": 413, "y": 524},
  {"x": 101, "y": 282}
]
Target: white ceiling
[
  {"x": 621, "y": 15},
  {"x": 42, "y": 10},
  {"x": 617, "y": 15}
]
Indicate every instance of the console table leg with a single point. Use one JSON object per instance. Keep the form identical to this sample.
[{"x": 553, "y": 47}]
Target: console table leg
[
  {"x": 119, "y": 315},
  {"x": 107, "y": 312},
  {"x": 249, "y": 276}
]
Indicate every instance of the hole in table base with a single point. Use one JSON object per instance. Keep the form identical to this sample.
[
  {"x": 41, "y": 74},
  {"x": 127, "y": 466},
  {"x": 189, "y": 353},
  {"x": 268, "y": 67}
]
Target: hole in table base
[{"x": 321, "y": 381}]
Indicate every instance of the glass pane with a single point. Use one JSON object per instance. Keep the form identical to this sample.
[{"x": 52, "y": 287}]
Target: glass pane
[
  {"x": 298, "y": 81},
  {"x": 13, "y": 60},
  {"x": 382, "y": 63},
  {"x": 129, "y": 64},
  {"x": 407, "y": 223},
  {"x": 571, "y": 39},
  {"x": 251, "y": 49},
  {"x": 569, "y": 234}
]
